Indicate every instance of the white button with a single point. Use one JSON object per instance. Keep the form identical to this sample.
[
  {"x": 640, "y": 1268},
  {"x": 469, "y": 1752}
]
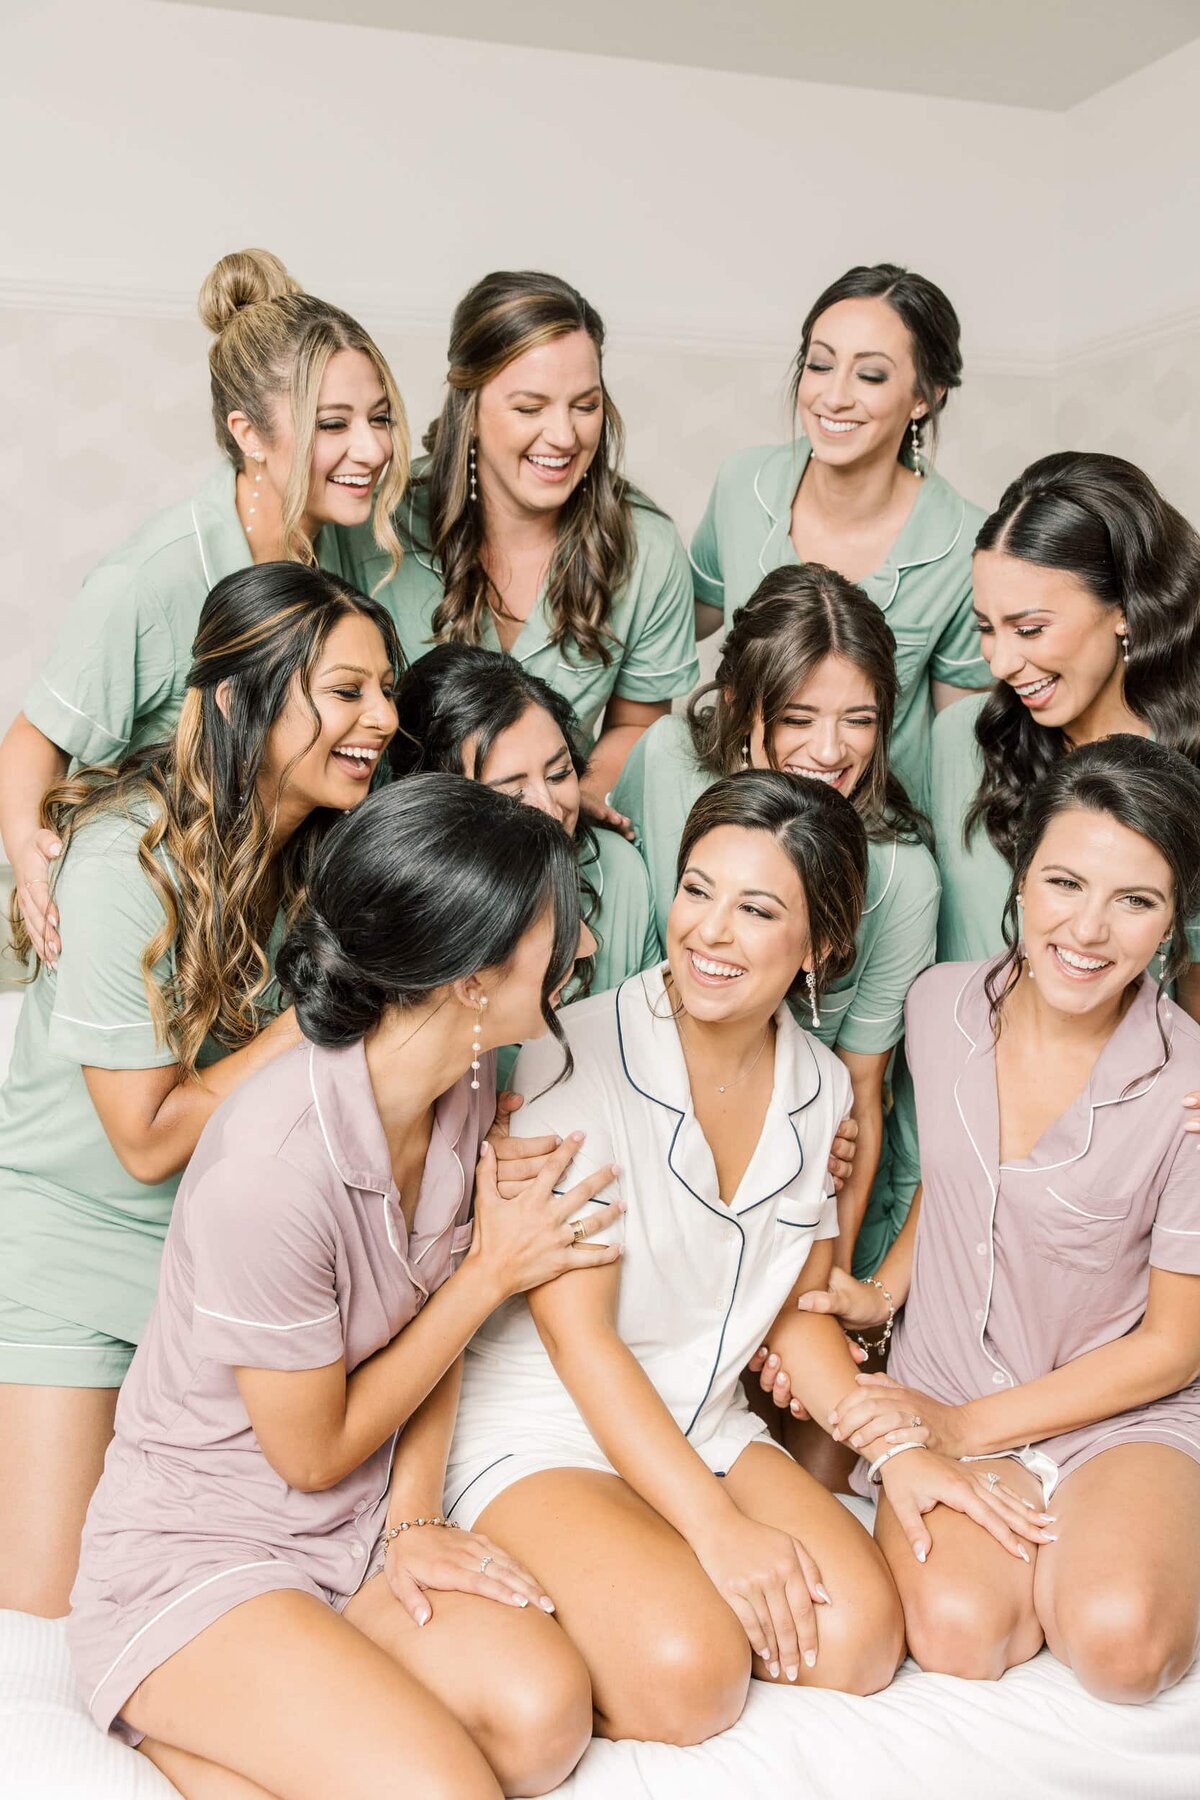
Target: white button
[
  {"x": 999, "y": 1379},
  {"x": 980, "y": 1316},
  {"x": 981, "y": 1249},
  {"x": 356, "y": 1550}
]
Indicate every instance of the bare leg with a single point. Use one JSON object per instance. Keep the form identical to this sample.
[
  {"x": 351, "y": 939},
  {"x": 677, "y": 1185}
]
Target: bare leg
[
  {"x": 197, "y": 1779},
  {"x": 287, "y": 1695},
  {"x": 509, "y": 1675},
  {"x": 1119, "y": 1594},
  {"x": 54, "y": 1442},
  {"x": 969, "y": 1609},
  {"x": 860, "y": 1638},
  {"x": 668, "y": 1661}
]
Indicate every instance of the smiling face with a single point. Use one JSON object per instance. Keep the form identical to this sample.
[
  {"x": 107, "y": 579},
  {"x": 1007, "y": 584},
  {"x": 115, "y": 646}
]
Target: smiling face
[
  {"x": 538, "y": 425},
  {"x": 352, "y": 444},
  {"x": 737, "y": 931},
  {"x": 858, "y": 391},
  {"x": 1044, "y": 633},
  {"x": 827, "y": 731},
  {"x": 531, "y": 760},
  {"x": 1098, "y": 899},
  {"x": 351, "y": 690}
]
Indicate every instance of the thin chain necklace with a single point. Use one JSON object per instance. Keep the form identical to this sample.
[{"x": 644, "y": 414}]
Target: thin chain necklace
[{"x": 721, "y": 1086}]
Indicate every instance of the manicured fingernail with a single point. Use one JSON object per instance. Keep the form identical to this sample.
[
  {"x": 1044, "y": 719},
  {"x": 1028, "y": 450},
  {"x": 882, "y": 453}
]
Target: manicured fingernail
[
  {"x": 822, "y": 1596},
  {"x": 781, "y": 1379},
  {"x": 1022, "y": 1552},
  {"x": 1050, "y": 1518},
  {"x": 836, "y": 1436},
  {"x": 518, "y": 1600},
  {"x": 763, "y": 1351},
  {"x": 576, "y": 1137},
  {"x": 773, "y": 1670},
  {"x": 791, "y": 1671},
  {"x": 1049, "y": 1537},
  {"x": 772, "y": 1362},
  {"x": 922, "y": 1551},
  {"x": 423, "y": 1618},
  {"x": 557, "y": 1143},
  {"x": 856, "y": 1440},
  {"x": 546, "y": 1604},
  {"x": 810, "y": 1659}
]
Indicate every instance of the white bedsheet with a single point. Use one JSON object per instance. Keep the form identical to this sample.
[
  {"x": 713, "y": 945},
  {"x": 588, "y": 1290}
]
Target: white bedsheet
[{"x": 1033, "y": 1736}]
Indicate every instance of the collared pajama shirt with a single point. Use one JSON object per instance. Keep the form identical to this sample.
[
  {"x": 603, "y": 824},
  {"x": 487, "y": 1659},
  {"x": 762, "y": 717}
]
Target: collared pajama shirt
[
  {"x": 287, "y": 1250},
  {"x": 650, "y": 631},
  {"x": 923, "y": 588},
  {"x": 1020, "y": 1267},
  {"x": 700, "y": 1281}
]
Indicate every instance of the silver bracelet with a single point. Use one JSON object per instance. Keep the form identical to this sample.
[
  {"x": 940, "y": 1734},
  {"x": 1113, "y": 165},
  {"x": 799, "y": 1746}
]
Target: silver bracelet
[
  {"x": 873, "y": 1475},
  {"x": 882, "y": 1343}
]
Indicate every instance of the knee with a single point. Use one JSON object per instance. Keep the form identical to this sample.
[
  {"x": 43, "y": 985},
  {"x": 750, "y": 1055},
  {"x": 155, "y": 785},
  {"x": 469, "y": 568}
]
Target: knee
[
  {"x": 1123, "y": 1644},
  {"x": 861, "y": 1639},
  {"x": 540, "y": 1723},
  {"x": 688, "y": 1684},
  {"x": 959, "y": 1631}
]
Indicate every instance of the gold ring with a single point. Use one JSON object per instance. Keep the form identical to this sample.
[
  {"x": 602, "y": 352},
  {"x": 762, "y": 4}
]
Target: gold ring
[{"x": 578, "y": 1232}]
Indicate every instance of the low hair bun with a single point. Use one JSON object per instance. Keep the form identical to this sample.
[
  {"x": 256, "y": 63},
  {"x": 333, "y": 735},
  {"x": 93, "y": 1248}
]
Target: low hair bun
[
  {"x": 334, "y": 1004},
  {"x": 241, "y": 279}
]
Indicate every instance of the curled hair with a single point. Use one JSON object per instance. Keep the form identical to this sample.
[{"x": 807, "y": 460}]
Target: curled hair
[
  {"x": 821, "y": 835},
  {"x": 272, "y": 341},
  {"x": 428, "y": 881},
  {"x": 503, "y": 316},
  {"x": 460, "y": 695},
  {"x": 1147, "y": 788},
  {"x": 261, "y": 634},
  {"x": 1101, "y": 520},
  {"x": 794, "y": 619},
  {"x": 933, "y": 331}
]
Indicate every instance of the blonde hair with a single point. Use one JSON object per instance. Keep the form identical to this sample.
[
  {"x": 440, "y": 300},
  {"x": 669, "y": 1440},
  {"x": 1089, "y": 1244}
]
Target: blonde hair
[{"x": 271, "y": 339}]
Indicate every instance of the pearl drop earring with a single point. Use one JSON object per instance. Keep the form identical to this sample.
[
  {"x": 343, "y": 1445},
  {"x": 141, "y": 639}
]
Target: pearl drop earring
[
  {"x": 918, "y": 471},
  {"x": 475, "y": 1046},
  {"x": 251, "y": 510},
  {"x": 1124, "y": 637},
  {"x": 471, "y": 472},
  {"x": 810, "y": 982},
  {"x": 746, "y": 752}
]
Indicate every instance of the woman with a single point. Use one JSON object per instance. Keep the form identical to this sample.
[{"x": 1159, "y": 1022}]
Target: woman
[
  {"x": 481, "y": 714},
  {"x": 522, "y": 534},
  {"x": 175, "y": 868},
  {"x": 1087, "y": 600},
  {"x": 603, "y": 1437},
  {"x": 282, "y": 1434},
  {"x": 807, "y": 684},
  {"x": 313, "y": 440},
  {"x": 856, "y": 490},
  {"x": 1050, "y": 1274}
]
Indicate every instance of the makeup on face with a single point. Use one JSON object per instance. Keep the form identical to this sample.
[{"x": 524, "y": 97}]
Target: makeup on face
[
  {"x": 857, "y": 392},
  {"x": 828, "y": 730},
  {"x": 538, "y": 425},
  {"x": 351, "y": 691},
  {"x": 737, "y": 931},
  {"x": 351, "y": 447},
  {"x": 531, "y": 760},
  {"x": 1046, "y": 636}
]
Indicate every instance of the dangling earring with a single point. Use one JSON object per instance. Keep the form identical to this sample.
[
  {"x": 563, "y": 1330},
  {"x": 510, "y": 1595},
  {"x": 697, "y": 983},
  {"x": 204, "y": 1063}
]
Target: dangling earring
[
  {"x": 918, "y": 471},
  {"x": 1124, "y": 637},
  {"x": 746, "y": 751},
  {"x": 474, "y": 489},
  {"x": 810, "y": 982},
  {"x": 475, "y": 1047},
  {"x": 1021, "y": 941},
  {"x": 251, "y": 510},
  {"x": 1162, "y": 957}
]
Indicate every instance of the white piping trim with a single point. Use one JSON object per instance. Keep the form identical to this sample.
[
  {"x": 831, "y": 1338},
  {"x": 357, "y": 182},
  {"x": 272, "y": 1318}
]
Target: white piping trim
[
  {"x": 208, "y": 580},
  {"x": 258, "y": 1324},
  {"x": 675, "y": 669},
  {"x": 887, "y": 884},
  {"x": 80, "y": 714},
  {"x": 264, "y": 1563},
  {"x": 962, "y": 662},
  {"x": 22, "y": 1344},
  {"x": 712, "y": 580},
  {"x": 1083, "y": 1213},
  {"x": 1175, "y": 1230},
  {"x": 89, "y": 1025},
  {"x": 774, "y": 522},
  {"x": 312, "y": 1050},
  {"x": 876, "y": 1018}
]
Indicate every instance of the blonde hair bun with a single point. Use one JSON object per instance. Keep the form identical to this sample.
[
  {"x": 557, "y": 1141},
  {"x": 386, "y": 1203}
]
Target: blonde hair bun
[{"x": 241, "y": 279}]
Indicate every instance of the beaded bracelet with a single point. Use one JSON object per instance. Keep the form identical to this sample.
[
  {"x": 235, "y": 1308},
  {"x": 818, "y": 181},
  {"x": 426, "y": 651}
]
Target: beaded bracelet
[
  {"x": 882, "y": 1343},
  {"x": 411, "y": 1525}
]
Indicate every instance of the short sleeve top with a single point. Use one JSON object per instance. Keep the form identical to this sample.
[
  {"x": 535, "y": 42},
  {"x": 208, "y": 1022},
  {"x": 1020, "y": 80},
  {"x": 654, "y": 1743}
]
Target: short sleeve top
[
  {"x": 79, "y": 1237},
  {"x": 923, "y": 588},
  {"x": 862, "y": 1013},
  {"x": 116, "y": 677},
  {"x": 651, "y": 623},
  {"x": 1022, "y": 1266},
  {"x": 287, "y": 1250}
]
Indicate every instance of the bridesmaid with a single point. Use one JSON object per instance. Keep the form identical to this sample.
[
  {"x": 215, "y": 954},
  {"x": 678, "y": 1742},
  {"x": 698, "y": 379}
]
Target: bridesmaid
[
  {"x": 856, "y": 491},
  {"x": 313, "y": 442},
  {"x": 522, "y": 534},
  {"x": 1050, "y": 1271}
]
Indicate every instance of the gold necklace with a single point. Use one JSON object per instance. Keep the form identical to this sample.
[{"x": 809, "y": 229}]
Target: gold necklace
[{"x": 721, "y": 1086}]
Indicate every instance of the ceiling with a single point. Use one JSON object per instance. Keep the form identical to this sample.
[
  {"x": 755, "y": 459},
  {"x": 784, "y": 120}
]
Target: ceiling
[{"x": 1040, "y": 53}]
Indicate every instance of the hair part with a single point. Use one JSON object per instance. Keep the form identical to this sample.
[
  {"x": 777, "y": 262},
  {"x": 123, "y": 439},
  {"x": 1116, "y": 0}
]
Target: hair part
[
  {"x": 429, "y": 881},
  {"x": 1101, "y": 520},
  {"x": 499, "y": 319},
  {"x": 823, "y": 838},
  {"x": 261, "y": 635},
  {"x": 933, "y": 331},
  {"x": 272, "y": 343},
  {"x": 794, "y": 620}
]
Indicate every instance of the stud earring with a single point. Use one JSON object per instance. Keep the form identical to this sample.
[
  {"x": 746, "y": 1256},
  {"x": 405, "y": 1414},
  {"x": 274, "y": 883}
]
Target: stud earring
[
  {"x": 251, "y": 510},
  {"x": 918, "y": 470},
  {"x": 475, "y": 1045},
  {"x": 471, "y": 472},
  {"x": 810, "y": 982}
]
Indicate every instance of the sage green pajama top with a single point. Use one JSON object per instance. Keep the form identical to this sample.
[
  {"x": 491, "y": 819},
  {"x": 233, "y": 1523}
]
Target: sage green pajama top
[{"x": 923, "y": 588}]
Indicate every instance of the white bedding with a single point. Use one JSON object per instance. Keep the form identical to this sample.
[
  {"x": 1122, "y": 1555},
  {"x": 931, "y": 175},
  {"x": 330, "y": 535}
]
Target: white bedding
[{"x": 1033, "y": 1735}]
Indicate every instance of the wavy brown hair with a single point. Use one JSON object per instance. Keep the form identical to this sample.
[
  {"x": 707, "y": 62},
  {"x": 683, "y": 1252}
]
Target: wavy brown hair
[
  {"x": 206, "y": 845},
  {"x": 273, "y": 342},
  {"x": 501, "y": 317},
  {"x": 794, "y": 619}
]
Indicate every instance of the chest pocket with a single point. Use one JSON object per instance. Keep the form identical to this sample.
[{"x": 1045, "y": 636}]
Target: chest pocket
[
  {"x": 912, "y": 654},
  {"x": 1080, "y": 1230},
  {"x": 793, "y": 1217},
  {"x": 460, "y": 1242}
]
